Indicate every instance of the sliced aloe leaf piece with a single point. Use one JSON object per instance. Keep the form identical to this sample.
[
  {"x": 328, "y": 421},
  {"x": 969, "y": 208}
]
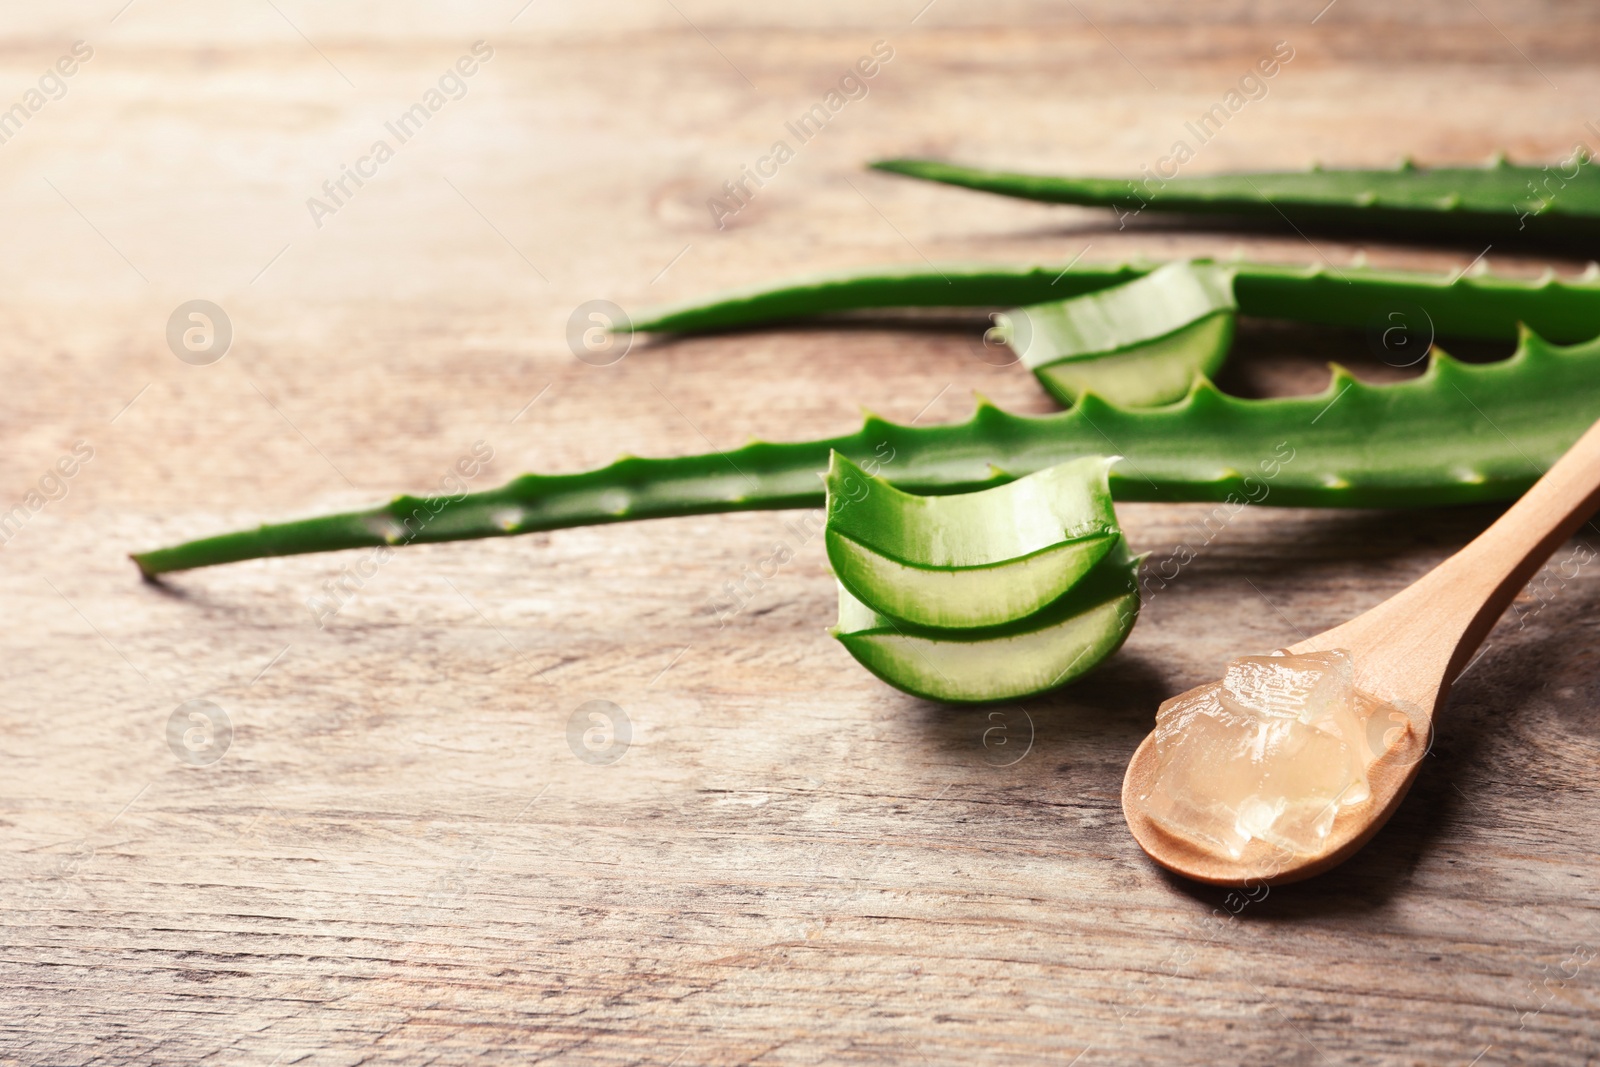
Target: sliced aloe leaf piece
[
  {"x": 1034, "y": 655},
  {"x": 1158, "y": 372},
  {"x": 1137, "y": 344},
  {"x": 969, "y": 559}
]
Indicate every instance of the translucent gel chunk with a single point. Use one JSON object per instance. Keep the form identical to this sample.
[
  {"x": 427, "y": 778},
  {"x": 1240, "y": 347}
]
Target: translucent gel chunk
[
  {"x": 1270, "y": 753},
  {"x": 1294, "y": 687},
  {"x": 1205, "y": 754}
]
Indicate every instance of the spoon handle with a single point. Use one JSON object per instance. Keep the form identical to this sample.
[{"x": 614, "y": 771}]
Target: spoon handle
[{"x": 1468, "y": 593}]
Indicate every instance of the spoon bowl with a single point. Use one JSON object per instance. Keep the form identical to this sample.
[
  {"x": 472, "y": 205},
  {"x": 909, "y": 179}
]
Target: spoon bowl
[
  {"x": 1388, "y": 779},
  {"x": 1406, "y": 652}
]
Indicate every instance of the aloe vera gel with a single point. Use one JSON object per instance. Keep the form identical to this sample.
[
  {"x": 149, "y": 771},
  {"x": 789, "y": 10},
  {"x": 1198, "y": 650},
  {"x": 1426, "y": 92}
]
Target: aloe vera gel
[{"x": 1273, "y": 752}]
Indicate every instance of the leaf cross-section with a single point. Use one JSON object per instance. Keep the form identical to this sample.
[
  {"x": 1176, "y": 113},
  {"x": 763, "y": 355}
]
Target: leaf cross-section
[{"x": 970, "y": 559}]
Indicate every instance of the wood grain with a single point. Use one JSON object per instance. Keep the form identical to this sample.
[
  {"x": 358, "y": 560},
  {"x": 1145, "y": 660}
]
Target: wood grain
[{"x": 399, "y": 857}]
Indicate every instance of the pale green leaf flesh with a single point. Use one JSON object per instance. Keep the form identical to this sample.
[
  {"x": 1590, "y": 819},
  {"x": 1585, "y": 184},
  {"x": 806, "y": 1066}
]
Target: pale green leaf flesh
[
  {"x": 1138, "y": 344},
  {"x": 968, "y": 596},
  {"x": 969, "y": 559},
  {"x": 1062, "y": 502},
  {"x": 1033, "y": 656},
  {"x": 1147, "y": 375},
  {"x": 1120, "y": 317}
]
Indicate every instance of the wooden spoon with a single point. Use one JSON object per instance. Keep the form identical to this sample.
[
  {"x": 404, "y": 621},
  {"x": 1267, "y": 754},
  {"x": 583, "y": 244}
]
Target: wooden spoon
[{"x": 1407, "y": 651}]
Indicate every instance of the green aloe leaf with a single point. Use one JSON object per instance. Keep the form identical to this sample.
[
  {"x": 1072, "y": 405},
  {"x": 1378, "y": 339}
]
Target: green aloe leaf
[
  {"x": 1460, "y": 433},
  {"x": 1136, "y": 344},
  {"x": 1034, "y": 655},
  {"x": 1484, "y": 306},
  {"x": 1492, "y": 203},
  {"x": 970, "y": 559}
]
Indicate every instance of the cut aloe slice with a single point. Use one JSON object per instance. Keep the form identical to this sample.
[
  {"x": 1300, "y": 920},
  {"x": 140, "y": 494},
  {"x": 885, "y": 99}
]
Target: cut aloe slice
[
  {"x": 1147, "y": 375},
  {"x": 1032, "y": 656},
  {"x": 1138, "y": 344},
  {"x": 971, "y": 559}
]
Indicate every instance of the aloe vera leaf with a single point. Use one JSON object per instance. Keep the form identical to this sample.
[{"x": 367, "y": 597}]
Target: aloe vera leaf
[
  {"x": 1137, "y": 344},
  {"x": 1482, "y": 306},
  {"x": 1460, "y": 433},
  {"x": 1492, "y": 202},
  {"x": 1037, "y": 654},
  {"x": 970, "y": 559}
]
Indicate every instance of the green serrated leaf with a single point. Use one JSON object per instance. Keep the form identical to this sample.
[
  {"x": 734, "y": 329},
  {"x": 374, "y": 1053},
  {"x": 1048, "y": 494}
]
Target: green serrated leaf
[
  {"x": 1491, "y": 203},
  {"x": 1458, "y": 434}
]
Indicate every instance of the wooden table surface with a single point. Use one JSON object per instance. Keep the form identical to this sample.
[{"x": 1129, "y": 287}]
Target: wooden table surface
[{"x": 399, "y": 856}]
